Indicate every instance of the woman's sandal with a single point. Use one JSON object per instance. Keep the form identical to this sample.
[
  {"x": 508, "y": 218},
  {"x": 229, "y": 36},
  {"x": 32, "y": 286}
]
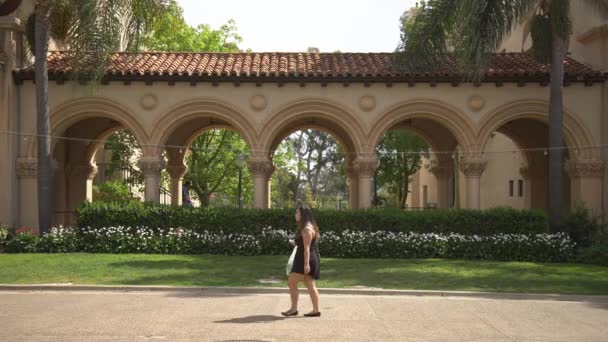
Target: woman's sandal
[
  {"x": 313, "y": 314},
  {"x": 289, "y": 313}
]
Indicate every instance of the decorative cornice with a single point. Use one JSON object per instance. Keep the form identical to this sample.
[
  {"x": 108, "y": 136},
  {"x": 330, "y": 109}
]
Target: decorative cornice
[
  {"x": 473, "y": 167},
  {"x": 585, "y": 168}
]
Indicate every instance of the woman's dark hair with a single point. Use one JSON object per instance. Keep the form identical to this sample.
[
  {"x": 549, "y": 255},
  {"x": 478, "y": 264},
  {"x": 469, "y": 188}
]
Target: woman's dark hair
[{"x": 305, "y": 218}]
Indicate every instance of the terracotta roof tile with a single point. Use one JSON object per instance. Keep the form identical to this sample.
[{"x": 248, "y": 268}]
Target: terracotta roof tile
[{"x": 260, "y": 67}]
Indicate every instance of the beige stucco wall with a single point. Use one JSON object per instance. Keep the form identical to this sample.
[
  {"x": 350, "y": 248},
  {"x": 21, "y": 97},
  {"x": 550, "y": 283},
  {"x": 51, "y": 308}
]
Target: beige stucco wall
[
  {"x": 594, "y": 53},
  {"x": 501, "y": 168},
  {"x": 583, "y": 103},
  {"x": 356, "y": 115},
  {"x": 326, "y": 107}
]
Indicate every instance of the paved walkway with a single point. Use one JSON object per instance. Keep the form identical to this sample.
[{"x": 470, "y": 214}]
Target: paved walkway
[{"x": 179, "y": 316}]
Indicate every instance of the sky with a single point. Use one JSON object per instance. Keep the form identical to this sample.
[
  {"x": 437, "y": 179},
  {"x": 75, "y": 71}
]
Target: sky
[{"x": 292, "y": 26}]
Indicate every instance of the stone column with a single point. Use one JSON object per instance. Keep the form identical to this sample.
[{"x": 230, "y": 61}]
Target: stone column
[
  {"x": 586, "y": 183},
  {"x": 443, "y": 169},
  {"x": 425, "y": 196},
  {"x": 353, "y": 187},
  {"x": 11, "y": 119},
  {"x": 261, "y": 170},
  {"x": 269, "y": 191},
  {"x": 27, "y": 173},
  {"x": 177, "y": 173},
  {"x": 524, "y": 171},
  {"x": 365, "y": 169},
  {"x": 473, "y": 168},
  {"x": 80, "y": 184},
  {"x": 151, "y": 168},
  {"x": 415, "y": 195}
]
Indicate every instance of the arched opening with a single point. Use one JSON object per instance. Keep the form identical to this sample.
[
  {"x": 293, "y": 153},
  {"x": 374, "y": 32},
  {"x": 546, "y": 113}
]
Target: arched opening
[
  {"x": 526, "y": 124},
  {"x": 331, "y": 124},
  {"x": 518, "y": 166},
  {"x": 445, "y": 132},
  {"x": 399, "y": 181},
  {"x": 76, "y": 150},
  {"x": 309, "y": 167},
  {"x": 117, "y": 178},
  {"x": 206, "y": 165}
]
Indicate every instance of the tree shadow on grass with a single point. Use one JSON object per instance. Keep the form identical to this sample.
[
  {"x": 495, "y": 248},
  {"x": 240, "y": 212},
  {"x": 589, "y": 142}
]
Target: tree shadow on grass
[{"x": 421, "y": 274}]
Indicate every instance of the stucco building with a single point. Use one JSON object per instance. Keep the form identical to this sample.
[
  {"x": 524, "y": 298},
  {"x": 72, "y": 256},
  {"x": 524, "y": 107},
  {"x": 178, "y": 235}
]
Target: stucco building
[{"x": 167, "y": 99}]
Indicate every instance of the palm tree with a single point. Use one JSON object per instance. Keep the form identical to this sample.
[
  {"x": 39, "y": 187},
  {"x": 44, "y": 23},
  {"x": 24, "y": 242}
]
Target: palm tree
[
  {"x": 88, "y": 30},
  {"x": 473, "y": 29}
]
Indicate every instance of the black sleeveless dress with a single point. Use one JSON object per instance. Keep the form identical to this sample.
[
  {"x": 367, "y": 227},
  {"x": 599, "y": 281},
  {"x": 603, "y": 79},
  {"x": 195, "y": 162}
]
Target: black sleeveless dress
[{"x": 314, "y": 262}]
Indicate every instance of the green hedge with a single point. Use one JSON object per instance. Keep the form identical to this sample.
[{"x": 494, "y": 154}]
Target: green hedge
[
  {"x": 480, "y": 222},
  {"x": 347, "y": 244}
]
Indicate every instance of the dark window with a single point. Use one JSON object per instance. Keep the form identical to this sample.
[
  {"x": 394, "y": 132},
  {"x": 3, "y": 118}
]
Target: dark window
[
  {"x": 520, "y": 188},
  {"x": 511, "y": 188}
]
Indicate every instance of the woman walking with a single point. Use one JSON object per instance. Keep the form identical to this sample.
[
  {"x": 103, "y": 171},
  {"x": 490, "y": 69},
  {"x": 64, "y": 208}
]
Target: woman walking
[{"x": 306, "y": 264}]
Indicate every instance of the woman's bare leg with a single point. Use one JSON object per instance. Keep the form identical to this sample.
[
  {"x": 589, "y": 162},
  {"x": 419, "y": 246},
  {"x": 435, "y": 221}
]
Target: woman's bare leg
[
  {"x": 313, "y": 292},
  {"x": 292, "y": 282}
]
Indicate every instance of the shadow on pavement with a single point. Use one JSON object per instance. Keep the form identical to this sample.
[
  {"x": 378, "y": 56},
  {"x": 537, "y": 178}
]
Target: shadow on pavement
[{"x": 253, "y": 319}]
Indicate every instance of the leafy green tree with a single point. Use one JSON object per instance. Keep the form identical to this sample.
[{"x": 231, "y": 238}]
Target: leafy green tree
[
  {"x": 172, "y": 33},
  {"x": 313, "y": 170},
  {"x": 112, "y": 192},
  {"x": 212, "y": 168},
  {"x": 89, "y": 30},
  {"x": 400, "y": 153},
  {"x": 124, "y": 148},
  {"x": 284, "y": 183},
  {"x": 470, "y": 30}
]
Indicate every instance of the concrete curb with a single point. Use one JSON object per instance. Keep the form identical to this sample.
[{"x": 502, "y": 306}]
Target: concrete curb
[{"x": 278, "y": 290}]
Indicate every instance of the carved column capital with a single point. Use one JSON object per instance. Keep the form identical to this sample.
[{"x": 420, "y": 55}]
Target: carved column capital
[
  {"x": 350, "y": 171},
  {"x": 473, "y": 167},
  {"x": 151, "y": 167},
  {"x": 261, "y": 168},
  {"x": 177, "y": 171},
  {"x": 26, "y": 168},
  {"x": 585, "y": 168},
  {"x": 365, "y": 167},
  {"x": 524, "y": 171},
  {"x": 82, "y": 171}
]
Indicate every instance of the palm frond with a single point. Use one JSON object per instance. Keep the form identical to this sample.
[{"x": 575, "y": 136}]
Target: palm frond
[
  {"x": 484, "y": 26},
  {"x": 143, "y": 14},
  {"x": 62, "y": 17},
  {"x": 427, "y": 36},
  {"x": 94, "y": 36},
  {"x": 528, "y": 21},
  {"x": 97, "y": 28}
]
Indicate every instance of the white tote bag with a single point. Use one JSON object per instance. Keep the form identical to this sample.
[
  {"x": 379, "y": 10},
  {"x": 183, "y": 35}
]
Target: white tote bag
[{"x": 290, "y": 261}]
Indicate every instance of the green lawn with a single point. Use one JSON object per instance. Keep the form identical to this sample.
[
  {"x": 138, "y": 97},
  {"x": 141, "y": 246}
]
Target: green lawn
[{"x": 212, "y": 270}]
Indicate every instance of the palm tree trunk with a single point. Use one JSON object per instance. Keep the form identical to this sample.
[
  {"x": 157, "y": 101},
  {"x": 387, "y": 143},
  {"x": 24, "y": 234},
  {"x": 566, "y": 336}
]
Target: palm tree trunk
[
  {"x": 45, "y": 176},
  {"x": 556, "y": 140}
]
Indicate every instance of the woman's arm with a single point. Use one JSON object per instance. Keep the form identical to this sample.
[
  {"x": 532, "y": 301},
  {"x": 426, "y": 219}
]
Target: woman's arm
[{"x": 307, "y": 235}]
